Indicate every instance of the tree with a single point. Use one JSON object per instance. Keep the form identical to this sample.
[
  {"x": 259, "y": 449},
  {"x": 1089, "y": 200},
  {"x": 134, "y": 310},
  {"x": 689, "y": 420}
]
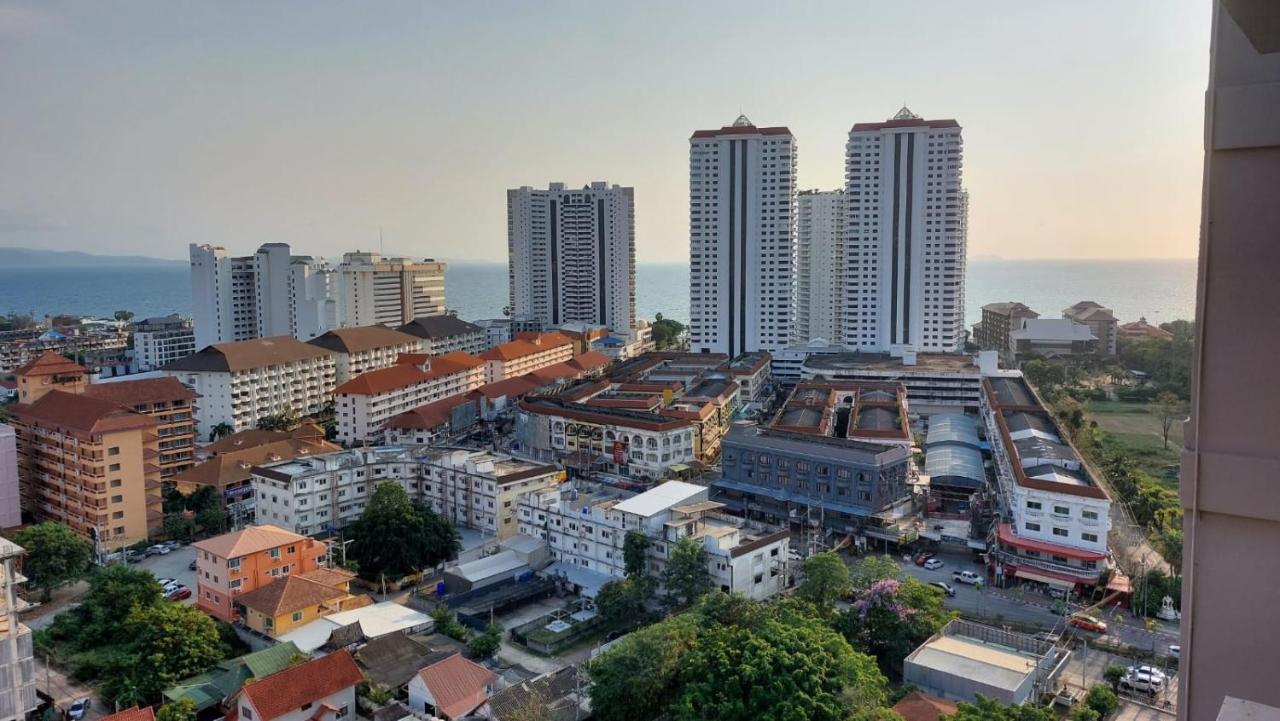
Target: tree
[
  {"x": 826, "y": 580},
  {"x": 639, "y": 678},
  {"x": 869, "y": 569},
  {"x": 1112, "y": 674},
  {"x": 169, "y": 642},
  {"x": 178, "y": 527},
  {"x": 486, "y": 644},
  {"x": 778, "y": 670},
  {"x": 180, "y": 710},
  {"x": 124, "y": 316},
  {"x": 665, "y": 331},
  {"x": 1102, "y": 699},
  {"x": 635, "y": 554},
  {"x": 890, "y": 618},
  {"x": 985, "y": 709},
  {"x": 212, "y": 520},
  {"x": 55, "y": 556},
  {"x": 686, "y": 576},
  {"x": 621, "y": 602},
  {"x": 285, "y": 421},
  {"x": 1083, "y": 713},
  {"x": 220, "y": 430},
  {"x": 395, "y": 537},
  {"x": 1169, "y": 408}
]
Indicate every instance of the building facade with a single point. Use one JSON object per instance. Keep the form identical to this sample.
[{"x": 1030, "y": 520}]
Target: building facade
[
  {"x": 173, "y": 407},
  {"x": 1100, "y": 321},
  {"x": 270, "y": 293},
  {"x": 526, "y": 355},
  {"x": 17, "y": 650},
  {"x": 366, "y": 402},
  {"x": 819, "y": 263},
  {"x": 360, "y": 349},
  {"x": 441, "y": 334},
  {"x": 906, "y": 227},
  {"x": 242, "y": 561},
  {"x": 372, "y": 290},
  {"x": 10, "y": 490},
  {"x": 241, "y": 382},
  {"x": 157, "y": 341},
  {"x": 742, "y": 238},
  {"x": 998, "y": 320},
  {"x": 571, "y": 255}
]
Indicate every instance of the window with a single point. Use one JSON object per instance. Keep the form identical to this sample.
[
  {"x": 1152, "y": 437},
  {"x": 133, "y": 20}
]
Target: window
[
  {"x": 1062, "y": 510},
  {"x": 116, "y": 482},
  {"x": 1089, "y": 537},
  {"x": 274, "y": 553},
  {"x": 1033, "y": 527},
  {"x": 1060, "y": 532},
  {"x": 113, "y": 451},
  {"x": 1033, "y": 505},
  {"x": 245, "y": 713},
  {"x": 114, "y": 468},
  {"x": 1089, "y": 515},
  {"x": 297, "y": 616},
  {"x": 233, "y": 563},
  {"x": 117, "y": 499}
]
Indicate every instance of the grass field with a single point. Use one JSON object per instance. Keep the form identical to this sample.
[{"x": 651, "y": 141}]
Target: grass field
[{"x": 1132, "y": 429}]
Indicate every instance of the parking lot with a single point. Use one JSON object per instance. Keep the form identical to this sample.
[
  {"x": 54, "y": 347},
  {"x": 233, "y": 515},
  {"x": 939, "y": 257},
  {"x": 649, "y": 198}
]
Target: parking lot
[{"x": 173, "y": 565}]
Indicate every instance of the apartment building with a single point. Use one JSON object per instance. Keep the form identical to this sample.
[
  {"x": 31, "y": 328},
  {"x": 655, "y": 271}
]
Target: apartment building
[
  {"x": 171, "y": 404},
  {"x": 162, "y": 340},
  {"x": 998, "y": 320},
  {"x": 496, "y": 331},
  {"x": 474, "y": 489},
  {"x": 586, "y": 525},
  {"x": 360, "y": 349},
  {"x": 525, "y": 355},
  {"x": 373, "y": 290},
  {"x": 48, "y": 372},
  {"x": 1058, "y": 516},
  {"x": 442, "y": 334},
  {"x": 753, "y": 373},
  {"x": 10, "y": 489},
  {"x": 270, "y": 293},
  {"x": 17, "y": 651},
  {"x": 239, "y": 383},
  {"x": 99, "y": 342},
  {"x": 366, "y": 402},
  {"x": 819, "y": 263},
  {"x": 89, "y": 463},
  {"x": 906, "y": 226},
  {"x": 1100, "y": 321},
  {"x": 242, "y": 561},
  {"x": 571, "y": 255},
  {"x": 742, "y": 238}
]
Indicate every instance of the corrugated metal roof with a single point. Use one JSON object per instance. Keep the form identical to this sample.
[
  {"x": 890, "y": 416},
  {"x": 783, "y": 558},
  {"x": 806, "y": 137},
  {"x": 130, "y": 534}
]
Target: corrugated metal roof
[{"x": 660, "y": 498}]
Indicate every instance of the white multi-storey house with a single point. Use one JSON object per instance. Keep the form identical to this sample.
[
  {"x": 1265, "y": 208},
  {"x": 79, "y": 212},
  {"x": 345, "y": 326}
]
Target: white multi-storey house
[
  {"x": 473, "y": 489},
  {"x": 373, "y": 290},
  {"x": 586, "y": 529},
  {"x": 742, "y": 225},
  {"x": 364, "y": 403},
  {"x": 571, "y": 255},
  {"x": 819, "y": 263},
  {"x": 238, "y": 383},
  {"x": 905, "y": 230},
  {"x": 363, "y": 349},
  {"x": 157, "y": 341},
  {"x": 270, "y": 293}
]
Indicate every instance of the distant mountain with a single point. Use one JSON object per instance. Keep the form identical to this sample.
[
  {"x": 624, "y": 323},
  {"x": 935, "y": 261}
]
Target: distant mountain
[{"x": 31, "y": 258}]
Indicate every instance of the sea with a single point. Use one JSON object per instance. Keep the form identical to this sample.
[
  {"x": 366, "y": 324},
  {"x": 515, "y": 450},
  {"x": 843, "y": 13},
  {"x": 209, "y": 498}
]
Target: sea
[{"x": 1159, "y": 290}]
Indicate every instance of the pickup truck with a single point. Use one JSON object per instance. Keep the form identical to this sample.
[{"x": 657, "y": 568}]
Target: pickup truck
[{"x": 968, "y": 577}]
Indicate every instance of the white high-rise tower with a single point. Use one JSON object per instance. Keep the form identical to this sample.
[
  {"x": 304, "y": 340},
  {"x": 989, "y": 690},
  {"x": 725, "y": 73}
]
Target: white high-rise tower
[
  {"x": 742, "y": 238},
  {"x": 571, "y": 255},
  {"x": 905, "y": 227},
  {"x": 819, "y": 264}
]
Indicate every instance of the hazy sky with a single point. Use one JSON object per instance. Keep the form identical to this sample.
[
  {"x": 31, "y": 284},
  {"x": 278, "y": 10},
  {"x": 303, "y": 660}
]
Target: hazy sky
[{"x": 138, "y": 127}]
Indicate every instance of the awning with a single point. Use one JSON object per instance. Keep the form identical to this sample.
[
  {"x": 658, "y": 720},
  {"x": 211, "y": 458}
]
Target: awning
[{"x": 1033, "y": 576}]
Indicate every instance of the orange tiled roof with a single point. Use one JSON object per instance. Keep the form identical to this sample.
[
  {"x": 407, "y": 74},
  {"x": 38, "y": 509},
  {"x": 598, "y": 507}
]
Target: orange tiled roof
[
  {"x": 590, "y": 361},
  {"x": 511, "y": 351},
  {"x": 404, "y": 375},
  {"x": 288, "y": 594},
  {"x": 146, "y": 390},
  {"x": 132, "y": 714},
  {"x": 362, "y": 338},
  {"x": 250, "y": 540},
  {"x": 289, "y": 690},
  {"x": 49, "y": 363},
  {"x": 458, "y": 686},
  {"x": 81, "y": 413}
]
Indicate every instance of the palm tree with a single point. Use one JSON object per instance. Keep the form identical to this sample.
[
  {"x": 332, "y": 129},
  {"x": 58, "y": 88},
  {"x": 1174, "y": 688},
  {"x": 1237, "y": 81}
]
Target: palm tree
[{"x": 220, "y": 430}]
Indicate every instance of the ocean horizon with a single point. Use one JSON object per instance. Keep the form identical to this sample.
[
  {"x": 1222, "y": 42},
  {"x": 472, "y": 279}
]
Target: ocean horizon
[{"x": 1159, "y": 290}]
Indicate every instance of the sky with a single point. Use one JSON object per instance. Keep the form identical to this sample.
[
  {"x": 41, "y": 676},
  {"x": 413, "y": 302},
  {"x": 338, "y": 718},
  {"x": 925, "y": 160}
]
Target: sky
[{"x": 132, "y": 127}]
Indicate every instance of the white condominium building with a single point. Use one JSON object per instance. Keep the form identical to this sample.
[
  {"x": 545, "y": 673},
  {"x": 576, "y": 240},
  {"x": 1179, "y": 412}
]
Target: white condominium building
[
  {"x": 269, "y": 293},
  {"x": 157, "y": 341},
  {"x": 388, "y": 291},
  {"x": 367, "y": 348},
  {"x": 742, "y": 225},
  {"x": 365, "y": 403},
  {"x": 473, "y": 489},
  {"x": 239, "y": 383},
  {"x": 906, "y": 217},
  {"x": 819, "y": 263},
  {"x": 571, "y": 255}
]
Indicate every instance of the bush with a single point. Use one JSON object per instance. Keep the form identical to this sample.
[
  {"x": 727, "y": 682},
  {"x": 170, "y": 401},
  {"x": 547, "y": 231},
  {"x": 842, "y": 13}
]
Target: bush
[{"x": 1102, "y": 700}]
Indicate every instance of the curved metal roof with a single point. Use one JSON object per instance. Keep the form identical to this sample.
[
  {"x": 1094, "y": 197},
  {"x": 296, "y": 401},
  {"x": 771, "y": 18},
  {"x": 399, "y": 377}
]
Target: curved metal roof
[
  {"x": 954, "y": 464},
  {"x": 952, "y": 428}
]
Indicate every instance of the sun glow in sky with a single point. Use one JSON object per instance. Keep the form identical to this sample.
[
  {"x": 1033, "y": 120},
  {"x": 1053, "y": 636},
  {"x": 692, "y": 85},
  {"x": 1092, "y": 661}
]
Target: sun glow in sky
[{"x": 136, "y": 127}]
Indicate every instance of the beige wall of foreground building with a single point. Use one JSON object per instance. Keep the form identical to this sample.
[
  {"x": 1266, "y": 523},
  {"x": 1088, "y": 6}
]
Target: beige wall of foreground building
[{"x": 1231, "y": 464}]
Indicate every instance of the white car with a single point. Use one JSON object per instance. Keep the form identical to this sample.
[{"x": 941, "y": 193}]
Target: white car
[
  {"x": 159, "y": 550},
  {"x": 1151, "y": 671},
  {"x": 932, "y": 564},
  {"x": 1175, "y": 650},
  {"x": 1136, "y": 681},
  {"x": 968, "y": 577}
]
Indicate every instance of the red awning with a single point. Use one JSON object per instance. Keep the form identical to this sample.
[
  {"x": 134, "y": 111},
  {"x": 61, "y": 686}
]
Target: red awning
[{"x": 1006, "y": 535}]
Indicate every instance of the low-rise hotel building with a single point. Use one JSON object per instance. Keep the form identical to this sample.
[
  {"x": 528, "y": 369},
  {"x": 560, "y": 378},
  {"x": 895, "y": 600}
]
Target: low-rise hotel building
[
  {"x": 365, "y": 403},
  {"x": 441, "y": 334},
  {"x": 522, "y": 356},
  {"x": 244, "y": 381},
  {"x": 585, "y": 526},
  {"x": 362, "y": 349}
]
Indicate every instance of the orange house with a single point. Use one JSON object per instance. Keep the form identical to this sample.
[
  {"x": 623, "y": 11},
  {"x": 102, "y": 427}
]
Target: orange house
[{"x": 243, "y": 561}]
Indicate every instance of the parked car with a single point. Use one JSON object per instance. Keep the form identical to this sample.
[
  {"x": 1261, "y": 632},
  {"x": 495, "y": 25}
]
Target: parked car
[
  {"x": 1175, "y": 650},
  {"x": 1150, "y": 671},
  {"x": 946, "y": 588},
  {"x": 134, "y": 556},
  {"x": 166, "y": 581},
  {"x": 932, "y": 564},
  {"x": 1135, "y": 681},
  {"x": 968, "y": 577},
  {"x": 158, "y": 550},
  {"x": 921, "y": 558},
  {"x": 178, "y": 593},
  {"x": 171, "y": 545},
  {"x": 1088, "y": 623},
  {"x": 78, "y": 709}
]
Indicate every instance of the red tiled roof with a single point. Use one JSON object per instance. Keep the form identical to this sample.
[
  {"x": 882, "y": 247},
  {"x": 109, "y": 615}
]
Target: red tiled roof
[
  {"x": 403, "y": 375},
  {"x": 426, "y": 417},
  {"x": 132, "y": 714},
  {"x": 147, "y": 390},
  {"x": 553, "y": 373},
  {"x": 249, "y": 540},
  {"x": 292, "y": 688},
  {"x": 590, "y": 360},
  {"x": 458, "y": 686},
  {"x": 907, "y": 123},
  {"x": 81, "y": 413},
  {"x": 289, "y": 594},
  {"x": 526, "y": 344},
  {"x": 741, "y": 130},
  {"x": 510, "y": 387},
  {"x": 49, "y": 363}
]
